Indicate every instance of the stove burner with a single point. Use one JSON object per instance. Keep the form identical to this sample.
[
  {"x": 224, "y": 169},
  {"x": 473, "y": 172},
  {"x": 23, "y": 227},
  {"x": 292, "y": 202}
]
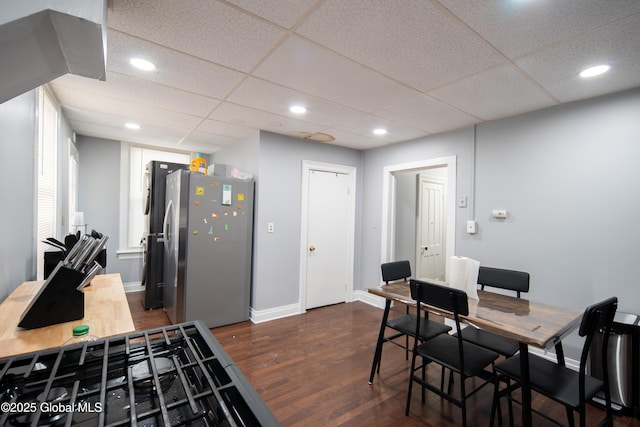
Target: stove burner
[
  {"x": 143, "y": 376},
  {"x": 170, "y": 376}
]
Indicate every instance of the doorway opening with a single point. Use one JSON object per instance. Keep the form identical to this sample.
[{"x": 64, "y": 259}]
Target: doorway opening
[{"x": 400, "y": 202}]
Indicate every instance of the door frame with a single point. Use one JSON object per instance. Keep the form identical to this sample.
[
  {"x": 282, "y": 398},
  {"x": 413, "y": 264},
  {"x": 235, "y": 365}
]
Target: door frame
[
  {"x": 387, "y": 246},
  {"x": 421, "y": 178},
  {"x": 350, "y": 171}
]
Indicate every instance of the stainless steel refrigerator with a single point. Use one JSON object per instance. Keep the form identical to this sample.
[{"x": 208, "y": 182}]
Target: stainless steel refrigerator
[
  {"x": 153, "y": 241},
  {"x": 208, "y": 233}
]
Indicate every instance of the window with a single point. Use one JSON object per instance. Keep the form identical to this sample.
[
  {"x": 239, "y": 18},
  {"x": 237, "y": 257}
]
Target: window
[
  {"x": 134, "y": 222},
  {"x": 46, "y": 175}
]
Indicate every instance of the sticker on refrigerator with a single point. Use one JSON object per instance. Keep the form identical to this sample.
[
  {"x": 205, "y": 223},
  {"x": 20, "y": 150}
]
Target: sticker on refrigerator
[
  {"x": 226, "y": 195},
  {"x": 240, "y": 197},
  {"x": 199, "y": 190}
]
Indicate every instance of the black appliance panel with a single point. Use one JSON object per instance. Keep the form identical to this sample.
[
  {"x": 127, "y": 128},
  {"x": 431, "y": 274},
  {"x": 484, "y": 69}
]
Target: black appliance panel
[{"x": 177, "y": 375}]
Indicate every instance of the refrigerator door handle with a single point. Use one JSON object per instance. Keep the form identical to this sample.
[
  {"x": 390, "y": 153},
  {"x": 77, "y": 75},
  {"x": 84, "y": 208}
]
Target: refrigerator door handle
[{"x": 165, "y": 227}]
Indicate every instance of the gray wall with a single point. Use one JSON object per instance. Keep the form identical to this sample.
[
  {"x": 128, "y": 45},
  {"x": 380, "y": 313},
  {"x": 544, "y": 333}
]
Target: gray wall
[
  {"x": 17, "y": 139},
  {"x": 99, "y": 199},
  {"x": 569, "y": 178},
  {"x": 278, "y": 200},
  {"x": 457, "y": 143},
  {"x": 17, "y": 162}
]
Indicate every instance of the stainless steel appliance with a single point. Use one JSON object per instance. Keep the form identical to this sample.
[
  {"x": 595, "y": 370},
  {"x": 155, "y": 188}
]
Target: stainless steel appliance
[
  {"x": 208, "y": 247},
  {"x": 152, "y": 241},
  {"x": 176, "y": 375}
]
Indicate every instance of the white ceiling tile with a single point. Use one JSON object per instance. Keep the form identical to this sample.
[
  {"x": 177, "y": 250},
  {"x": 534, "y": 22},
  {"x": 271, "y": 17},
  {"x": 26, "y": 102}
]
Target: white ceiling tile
[
  {"x": 224, "y": 129},
  {"x": 210, "y": 139},
  {"x": 518, "y": 27},
  {"x": 352, "y": 140},
  {"x": 495, "y": 93},
  {"x": 246, "y": 116},
  {"x": 126, "y": 110},
  {"x": 207, "y": 29},
  {"x": 413, "y": 41},
  {"x": 267, "y": 96},
  {"x": 144, "y": 92},
  {"x": 311, "y": 69},
  {"x": 282, "y": 12},
  {"x": 364, "y": 124},
  {"x": 557, "y": 67},
  {"x": 428, "y": 114},
  {"x": 174, "y": 68}
]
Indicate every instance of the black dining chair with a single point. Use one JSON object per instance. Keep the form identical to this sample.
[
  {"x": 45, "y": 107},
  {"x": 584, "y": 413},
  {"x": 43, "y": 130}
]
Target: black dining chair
[
  {"x": 512, "y": 280},
  {"x": 573, "y": 389},
  {"x": 451, "y": 352},
  {"x": 404, "y": 326}
]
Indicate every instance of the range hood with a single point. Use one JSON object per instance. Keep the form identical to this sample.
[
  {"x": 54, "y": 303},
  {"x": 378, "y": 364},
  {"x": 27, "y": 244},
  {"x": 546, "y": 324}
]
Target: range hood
[{"x": 41, "y": 40}]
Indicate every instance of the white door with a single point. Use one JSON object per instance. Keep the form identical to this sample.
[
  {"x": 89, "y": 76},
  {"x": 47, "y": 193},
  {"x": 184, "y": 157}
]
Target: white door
[
  {"x": 328, "y": 246},
  {"x": 431, "y": 229}
]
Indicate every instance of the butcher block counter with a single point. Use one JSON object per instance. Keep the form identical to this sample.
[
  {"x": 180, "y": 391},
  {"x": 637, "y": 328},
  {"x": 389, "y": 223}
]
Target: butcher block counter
[{"x": 106, "y": 311}]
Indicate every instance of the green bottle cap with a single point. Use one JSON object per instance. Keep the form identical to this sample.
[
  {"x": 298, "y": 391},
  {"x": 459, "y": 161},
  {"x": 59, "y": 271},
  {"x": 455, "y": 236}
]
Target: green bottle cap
[{"x": 80, "y": 330}]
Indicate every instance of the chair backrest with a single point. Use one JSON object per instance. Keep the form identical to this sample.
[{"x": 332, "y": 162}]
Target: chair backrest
[
  {"x": 443, "y": 297},
  {"x": 504, "y": 279},
  {"x": 396, "y": 270}
]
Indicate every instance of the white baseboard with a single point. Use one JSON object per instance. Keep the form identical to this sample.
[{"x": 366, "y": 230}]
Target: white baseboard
[
  {"x": 133, "y": 287},
  {"x": 260, "y": 316},
  {"x": 368, "y": 298}
]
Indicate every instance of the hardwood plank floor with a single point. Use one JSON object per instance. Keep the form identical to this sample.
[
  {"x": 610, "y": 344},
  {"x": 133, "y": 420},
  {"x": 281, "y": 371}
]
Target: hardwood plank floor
[{"x": 312, "y": 370}]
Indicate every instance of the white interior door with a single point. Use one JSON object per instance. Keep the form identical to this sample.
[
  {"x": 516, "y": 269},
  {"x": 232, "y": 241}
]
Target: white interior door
[
  {"x": 328, "y": 246},
  {"x": 431, "y": 228}
]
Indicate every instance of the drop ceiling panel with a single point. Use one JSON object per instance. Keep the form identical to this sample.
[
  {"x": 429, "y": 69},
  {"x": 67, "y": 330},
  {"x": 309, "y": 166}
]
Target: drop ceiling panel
[
  {"x": 312, "y": 69},
  {"x": 207, "y": 29},
  {"x": 267, "y": 96},
  {"x": 352, "y": 140},
  {"x": 498, "y": 92},
  {"x": 161, "y": 139},
  {"x": 282, "y": 12},
  {"x": 239, "y": 114},
  {"x": 557, "y": 67},
  {"x": 225, "y": 129},
  {"x": 415, "y": 42},
  {"x": 209, "y": 139},
  {"x": 144, "y": 92},
  {"x": 128, "y": 111},
  {"x": 520, "y": 27},
  {"x": 364, "y": 124},
  {"x": 173, "y": 68},
  {"x": 427, "y": 114}
]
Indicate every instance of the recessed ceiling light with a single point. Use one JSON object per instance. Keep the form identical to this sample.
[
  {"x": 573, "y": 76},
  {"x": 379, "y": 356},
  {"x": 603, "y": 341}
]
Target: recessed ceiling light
[
  {"x": 142, "y": 64},
  {"x": 297, "y": 109},
  {"x": 595, "y": 71},
  {"x": 132, "y": 126},
  {"x": 380, "y": 131}
]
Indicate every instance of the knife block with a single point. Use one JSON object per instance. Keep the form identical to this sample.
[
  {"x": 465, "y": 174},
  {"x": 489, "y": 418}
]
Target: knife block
[{"x": 57, "y": 301}]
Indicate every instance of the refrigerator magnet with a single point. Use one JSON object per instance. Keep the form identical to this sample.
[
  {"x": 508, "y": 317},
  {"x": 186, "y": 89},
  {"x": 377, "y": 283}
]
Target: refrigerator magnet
[
  {"x": 226, "y": 195},
  {"x": 199, "y": 190},
  {"x": 240, "y": 197}
]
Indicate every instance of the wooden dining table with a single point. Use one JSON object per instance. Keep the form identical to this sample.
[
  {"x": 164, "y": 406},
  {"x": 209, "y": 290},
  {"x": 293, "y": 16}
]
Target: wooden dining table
[{"x": 528, "y": 322}]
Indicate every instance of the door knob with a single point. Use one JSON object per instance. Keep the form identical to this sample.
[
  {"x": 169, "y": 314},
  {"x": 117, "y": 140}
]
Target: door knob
[
  {"x": 426, "y": 248},
  {"x": 312, "y": 248}
]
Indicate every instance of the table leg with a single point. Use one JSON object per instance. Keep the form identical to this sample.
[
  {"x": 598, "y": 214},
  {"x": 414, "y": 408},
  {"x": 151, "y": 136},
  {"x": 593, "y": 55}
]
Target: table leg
[
  {"x": 526, "y": 388},
  {"x": 378, "y": 352}
]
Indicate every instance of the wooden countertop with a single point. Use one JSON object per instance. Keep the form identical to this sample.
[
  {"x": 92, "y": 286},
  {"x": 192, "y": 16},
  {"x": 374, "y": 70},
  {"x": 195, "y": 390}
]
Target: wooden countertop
[{"x": 106, "y": 311}]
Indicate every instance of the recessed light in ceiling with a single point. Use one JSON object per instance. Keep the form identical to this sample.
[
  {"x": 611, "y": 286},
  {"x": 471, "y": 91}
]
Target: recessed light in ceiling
[
  {"x": 142, "y": 64},
  {"x": 132, "y": 126},
  {"x": 595, "y": 71},
  {"x": 380, "y": 131},
  {"x": 297, "y": 109}
]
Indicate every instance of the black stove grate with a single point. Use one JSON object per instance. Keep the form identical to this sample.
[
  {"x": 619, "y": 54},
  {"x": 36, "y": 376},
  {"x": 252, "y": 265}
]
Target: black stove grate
[{"x": 172, "y": 376}]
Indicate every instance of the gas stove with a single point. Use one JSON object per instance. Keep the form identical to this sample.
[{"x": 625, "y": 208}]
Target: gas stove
[{"x": 172, "y": 376}]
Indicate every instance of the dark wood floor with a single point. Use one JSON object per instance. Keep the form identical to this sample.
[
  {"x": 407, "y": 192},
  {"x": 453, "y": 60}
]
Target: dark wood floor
[{"x": 312, "y": 370}]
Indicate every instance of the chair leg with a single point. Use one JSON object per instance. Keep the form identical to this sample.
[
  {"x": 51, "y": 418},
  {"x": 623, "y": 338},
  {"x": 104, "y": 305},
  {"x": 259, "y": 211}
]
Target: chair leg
[
  {"x": 570, "y": 419},
  {"x": 463, "y": 398}
]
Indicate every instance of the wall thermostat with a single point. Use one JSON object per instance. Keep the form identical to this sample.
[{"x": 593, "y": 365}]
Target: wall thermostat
[{"x": 499, "y": 213}]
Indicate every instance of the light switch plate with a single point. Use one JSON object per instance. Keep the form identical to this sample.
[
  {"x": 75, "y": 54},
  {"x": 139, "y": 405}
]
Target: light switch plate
[
  {"x": 471, "y": 227},
  {"x": 462, "y": 201}
]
